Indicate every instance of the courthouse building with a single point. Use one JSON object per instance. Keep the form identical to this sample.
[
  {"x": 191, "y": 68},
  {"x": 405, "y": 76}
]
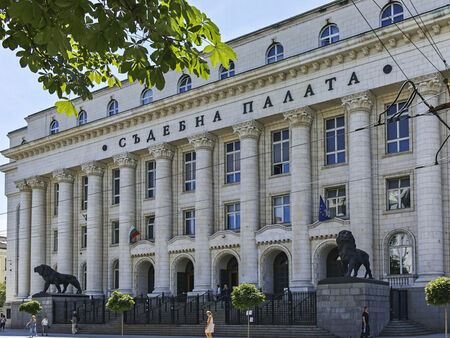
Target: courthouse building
[{"x": 223, "y": 177}]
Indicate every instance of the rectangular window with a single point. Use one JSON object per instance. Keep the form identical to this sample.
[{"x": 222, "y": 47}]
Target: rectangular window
[
  {"x": 233, "y": 162},
  {"x": 189, "y": 171},
  {"x": 233, "y": 216},
  {"x": 189, "y": 222},
  {"x": 280, "y": 152},
  {"x": 151, "y": 176},
  {"x": 85, "y": 193},
  {"x": 116, "y": 186},
  {"x": 281, "y": 209},
  {"x": 55, "y": 240},
  {"x": 56, "y": 198},
  {"x": 83, "y": 236},
  {"x": 397, "y": 129},
  {"x": 398, "y": 193},
  {"x": 150, "y": 222},
  {"x": 335, "y": 140},
  {"x": 336, "y": 202},
  {"x": 115, "y": 232}
]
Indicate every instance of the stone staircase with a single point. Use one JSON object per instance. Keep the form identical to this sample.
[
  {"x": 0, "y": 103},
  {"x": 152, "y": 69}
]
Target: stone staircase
[{"x": 398, "y": 328}]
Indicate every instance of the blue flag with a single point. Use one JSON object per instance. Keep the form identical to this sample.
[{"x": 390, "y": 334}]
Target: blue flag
[{"x": 323, "y": 211}]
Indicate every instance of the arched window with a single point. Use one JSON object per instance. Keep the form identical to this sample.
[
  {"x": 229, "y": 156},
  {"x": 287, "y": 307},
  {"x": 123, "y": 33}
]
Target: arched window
[
  {"x": 113, "y": 108},
  {"x": 147, "y": 96},
  {"x": 329, "y": 35},
  {"x": 275, "y": 53},
  {"x": 115, "y": 271},
  {"x": 84, "y": 277},
  {"x": 184, "y": 84},
  {"x": 82, "y": 118},
  {"x": 224, "y": 73},
  {"x": 54, "y": 127},
  {"x": 400, "y": 254},
  {"x": 391, "y": 13}
]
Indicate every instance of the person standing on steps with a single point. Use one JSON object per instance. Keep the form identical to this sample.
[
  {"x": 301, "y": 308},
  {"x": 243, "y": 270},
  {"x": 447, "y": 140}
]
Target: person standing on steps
[
  {"x": 209, "y": 329},
  {"x": 219, "y": 291},
  {"x": 365, "y": 328}
]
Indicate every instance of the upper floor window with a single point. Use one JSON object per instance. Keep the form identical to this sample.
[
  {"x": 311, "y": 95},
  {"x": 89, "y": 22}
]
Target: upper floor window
[
  {"x": 233, "y": 162},
  {"x": 281, "y": 209},
  {"x": 84, "y": 277},
  {"x": 56, "y": 198},
  {"x": 280, "y": 152},
  {"x": 189, "y": 222},
  {"x": 400, "y": 254},
  {"x": 147, "y": 96},
  {"x": 335, "y": 140},
  {"x": 233, "y": 216},
  {"x": 398, "y": 193},
  {"x": 116, "y": 186},
  {"x": 336, "y": 202},
  {"x": 150, "y": 223},
  {"x": 84, "y": 199},
  {"x": 113, "y": 108},
  {"x": 115, "y": 232},
  {"x": 83, "y": 236},
  {"x": 184, "y": 84},
  {"x": 391, "y": 13},
  {"x": 224, "y": 73},
  {"x": 55, "y": 240},
  {"x": 54, "y": 127},
  {"x": 397, "y": 130},
  {"x": 115, "y": 281},
  {"x": 189, "y": 171},
  {"x": 275, "y": 53},
  {"x": 82, "y": 118},
  {"x": 329, "y": 35},
  {"x": 151, "y": 176}
]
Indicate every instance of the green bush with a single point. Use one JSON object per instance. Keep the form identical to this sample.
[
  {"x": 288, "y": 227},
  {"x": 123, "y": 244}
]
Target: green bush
[
  {"x": 120, "y": 302},
  {"x": 33, "y": 307},
  {"x": 246, "y": 296},
  {"x": 438, "y": 291}
]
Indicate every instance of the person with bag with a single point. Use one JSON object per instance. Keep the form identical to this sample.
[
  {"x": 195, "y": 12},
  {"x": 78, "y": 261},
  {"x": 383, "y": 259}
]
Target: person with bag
[
  {"x": 209, "y": 329},
  {"x": 365, "y": 328},
  {"x": 31, "y": 325}
]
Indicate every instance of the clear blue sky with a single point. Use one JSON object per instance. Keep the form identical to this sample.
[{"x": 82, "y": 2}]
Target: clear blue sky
[{"x": 22, "y": 95}]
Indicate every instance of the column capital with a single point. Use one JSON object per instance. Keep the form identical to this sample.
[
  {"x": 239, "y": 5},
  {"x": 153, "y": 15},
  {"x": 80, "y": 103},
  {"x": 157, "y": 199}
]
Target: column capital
[
  {"x": 22, "y": 185},
  {"x": 63, "y": 175},
  {"x": 358, "y": 102},
  {"x": 93, "y": 169},
  {"x": 428, "y": 85},
  {"x": 202, "y": 141},
  {"x": 36, "y": 182},
  {"x": 249, "y": 129},
  {"x": 300, "y": 117},
  {"x": 161, "y": 151},
  {"x": 125, "y": 160}
]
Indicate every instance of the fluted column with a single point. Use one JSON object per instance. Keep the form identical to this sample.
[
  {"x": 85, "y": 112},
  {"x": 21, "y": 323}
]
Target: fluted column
[
  {"x": 163, "y": 155},
  {"x": 249, "y": 191},
  {"x": 204, "y": 145},
  {"x": 430, "y": 242},
  {"x": 359, "y": 107},
  {"x": 24, "y": 239},
  {"x": 301, "y": 199},
  {"x": 65, "y": 221},
  {"x": 38, "y": 242},
  {"x": 127, "y": 216},
  {"x": 94, "y": 248}
]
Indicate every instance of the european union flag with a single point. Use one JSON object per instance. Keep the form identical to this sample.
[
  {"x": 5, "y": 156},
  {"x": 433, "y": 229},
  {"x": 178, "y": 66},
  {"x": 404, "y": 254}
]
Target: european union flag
[{"x": 323, "y": 211}]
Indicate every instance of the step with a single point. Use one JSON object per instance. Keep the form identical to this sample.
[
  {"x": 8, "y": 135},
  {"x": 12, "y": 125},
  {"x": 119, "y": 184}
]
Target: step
[{"x": 403, "y": 328}]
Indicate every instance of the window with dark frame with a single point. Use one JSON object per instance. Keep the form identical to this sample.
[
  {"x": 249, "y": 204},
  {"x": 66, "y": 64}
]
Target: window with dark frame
[
  {"x": 275, "y": 53},
  {"x": 189, "y": 171},
  {"x": 391, "y": 13},
  {"x": 151, "y": 177},
  {"x": 233, "y": 216},
  {"x": 147, "y": 96},
  {"x": 329, "y": 35},
  {"x": 82, "y": 118},
  {"x": 84, "y": 201},
  {"x": 84, "y": 277},
  {"x": 116, "y": 186},
  {"x": 233, "y": 162},
  {"x": 185, "y": 84},
  {"x": 225, "y": 73},
  {"x": 280, "y": 152},
  {"x": 398, "y": 193},
  {"x": 55, "y": 240},
  {"x": 336, "y": 202},
  {"x": 83, "y": 236},
  {"x": 400, "y": 254},
  {"x": 113, "y": 108},
  {"x": 56, "y": 198},
  {"x": 335, "y": 140},
  {"x": 115, "y": 232},
  {"x": 189, "y": 222},
  {"x": 150, "y": 223},
  {"x": 281, "y": 209},
  {"x": 115, "y": 275},
  {"x": 397, "y": 129}
]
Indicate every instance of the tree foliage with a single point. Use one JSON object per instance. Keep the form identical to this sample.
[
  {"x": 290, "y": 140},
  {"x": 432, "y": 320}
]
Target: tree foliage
[
  {"x": 119, "y": 302},
  {"x": 2, "y": 293},
  {"x": 437, "y": 292},
  {"x": 246, "y": 296},
  {"x": 32, "y": 307},
  {"x": 75, "y": 44}
]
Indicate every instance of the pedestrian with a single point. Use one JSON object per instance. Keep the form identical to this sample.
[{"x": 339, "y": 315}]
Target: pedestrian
[
  {"x": 2, "y": 322},
  {"x": 74, "y": 321},
  {"x": 225, "y": 291},
  {"x": 209, "y": 329},
  {"x": 44, "y": 324},
  {"x": 219, "y": 291},
  {"x": 365, "y": 329},
  {"x": 31, "y": 325}
]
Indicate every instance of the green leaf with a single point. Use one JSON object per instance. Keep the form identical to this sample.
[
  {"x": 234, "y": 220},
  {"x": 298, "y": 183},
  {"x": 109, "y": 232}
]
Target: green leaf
[
  {"x": 66, "y": 107},
  {"x": 208, "y": 49},
  {"x": 214, "y": 57}
]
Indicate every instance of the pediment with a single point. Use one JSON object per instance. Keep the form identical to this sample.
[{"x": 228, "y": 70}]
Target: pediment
[
  {"x": 143, "y": 248},
  {"x": 274, "y": 234},
  {"x": 181, "y": 244},
  {"x": 327, "y": 229},
  {"x": 224, "y": 239}
]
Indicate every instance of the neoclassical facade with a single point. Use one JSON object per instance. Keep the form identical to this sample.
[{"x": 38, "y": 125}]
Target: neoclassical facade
[{"x": 223, "y": 177}]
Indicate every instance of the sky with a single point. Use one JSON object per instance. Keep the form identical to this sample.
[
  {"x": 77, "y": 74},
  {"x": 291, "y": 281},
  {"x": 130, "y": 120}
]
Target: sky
[{"x": 21, "y": 94}]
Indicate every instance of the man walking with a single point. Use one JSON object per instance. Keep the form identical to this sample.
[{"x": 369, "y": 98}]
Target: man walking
[{"x": 365, "y": 329}]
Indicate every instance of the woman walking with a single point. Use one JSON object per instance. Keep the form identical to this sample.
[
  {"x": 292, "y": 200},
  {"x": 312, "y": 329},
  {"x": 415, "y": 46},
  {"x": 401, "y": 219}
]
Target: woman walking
[
  {"x": 31, "y": 325},
  {"x": 209, "y": 329}
]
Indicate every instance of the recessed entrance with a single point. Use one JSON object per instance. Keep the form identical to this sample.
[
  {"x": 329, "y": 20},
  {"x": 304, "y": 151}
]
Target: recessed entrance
[
  {"x": 280, "y": 273},
  {"x": 185, "y": 276},
  {"x": 334, "y": 266},
  {"x": 145, "y": 278},
  {"x": 230, "y": 275}
]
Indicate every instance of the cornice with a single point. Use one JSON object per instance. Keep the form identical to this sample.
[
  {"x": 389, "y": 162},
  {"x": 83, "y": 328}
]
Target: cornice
[
  {"x": 203, "y": 141},
  {"x": 249, "y": 129},
  {"x": 348, "y": 50},
  {"x": 162, "y": 151}
]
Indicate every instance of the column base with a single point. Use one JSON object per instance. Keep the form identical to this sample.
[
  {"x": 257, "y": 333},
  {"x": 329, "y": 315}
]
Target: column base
[
  {"x": 127, "y": 291},
  {"x": 424, "y": 278},
  {"x": 199, "y": 291},
  {"x": 160, "y": 291},
  {"x": 299, "y": 286},
  {"x": 95, "y": 293}
]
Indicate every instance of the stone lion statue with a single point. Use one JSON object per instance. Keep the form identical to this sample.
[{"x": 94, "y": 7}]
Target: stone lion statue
[
  {"x": 351, "y": 257},
  {"x": 51, "y": 276}
]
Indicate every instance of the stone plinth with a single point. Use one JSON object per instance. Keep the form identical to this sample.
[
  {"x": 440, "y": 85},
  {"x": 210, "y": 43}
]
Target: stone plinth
[{"x": 340, "y": 303}]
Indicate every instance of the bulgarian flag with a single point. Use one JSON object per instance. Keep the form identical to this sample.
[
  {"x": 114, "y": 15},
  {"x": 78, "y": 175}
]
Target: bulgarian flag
[{"x": 133, "y": 233}]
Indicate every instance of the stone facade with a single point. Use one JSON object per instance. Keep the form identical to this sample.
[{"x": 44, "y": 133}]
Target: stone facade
[{"x": 253, "y": 149}]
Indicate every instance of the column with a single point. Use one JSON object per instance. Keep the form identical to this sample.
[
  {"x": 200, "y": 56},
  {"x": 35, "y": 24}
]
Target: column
[
  {"x": 204, "y": 145},
  {"x": 127, "y": 216},
  {"x": 249, "y": 191},
  {"x": 94, "y": 248},
  {"x": 65, "y": 221},
  {"x": 359, "y": 107},
  {"x": 163, "y": 155},
  {"x": 301, "y": 197},
  {"x": 38, "y": 242},
  {"x": 24, "y": 239},
  {"x": 430, "y": 243}
]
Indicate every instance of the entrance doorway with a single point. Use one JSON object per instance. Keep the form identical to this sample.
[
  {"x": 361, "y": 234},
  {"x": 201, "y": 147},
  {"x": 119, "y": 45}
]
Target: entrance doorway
[
  {"x": 185, "y": 278},
  {"x": 145, "y": 275},
  {"x": 280, "y": 273},
  {"x": 334, "y": 266},
  {"x": 230, "y": 275},
  {"x": 399, "y": 304},
  {"x": 151, "y": 279}
]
